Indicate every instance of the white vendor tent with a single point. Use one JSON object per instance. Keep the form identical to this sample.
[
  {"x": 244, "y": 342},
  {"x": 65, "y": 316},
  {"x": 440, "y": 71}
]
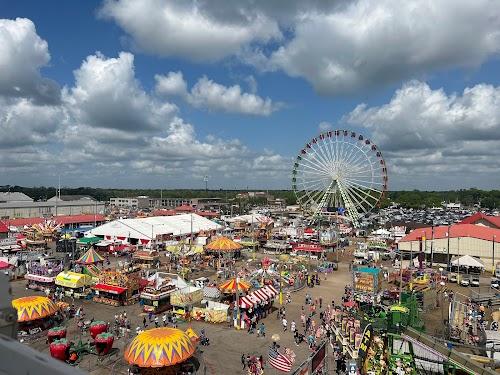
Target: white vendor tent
[
  {"x": 467, "y": 261},
  {"x": 146, "y": 229}
]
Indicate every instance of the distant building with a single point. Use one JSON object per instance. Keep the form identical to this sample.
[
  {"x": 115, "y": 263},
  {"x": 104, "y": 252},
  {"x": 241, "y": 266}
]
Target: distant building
[
  {"x": 143, "y": 202},
  {"x": 14, "y": 197},
  {"x": 25, "y": 209},
  {"x": 459, "y": 239},
  {"x": 452, "y": 206},
  {"x": 481, "y": 219},
  {"x": 69, "y": 198}
]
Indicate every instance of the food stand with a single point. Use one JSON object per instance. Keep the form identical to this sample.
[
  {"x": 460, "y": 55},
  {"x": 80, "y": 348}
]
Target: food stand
[
  {"x": 184, "y": 299},
  {"x": 74, "y": 284},
  {"x": 146, "y": 259},
  {"x": 118, "y": 287}
]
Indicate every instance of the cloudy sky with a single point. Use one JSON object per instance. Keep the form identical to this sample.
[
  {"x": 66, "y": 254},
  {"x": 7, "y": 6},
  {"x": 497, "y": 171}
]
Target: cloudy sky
[{"x": 158, "y": 93}]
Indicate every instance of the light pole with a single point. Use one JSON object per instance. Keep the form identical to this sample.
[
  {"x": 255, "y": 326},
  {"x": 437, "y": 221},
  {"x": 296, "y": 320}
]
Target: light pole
[
  {"x": 493, "y": 254},
  {"x": 237, "y": 324},
  {"x": 411, "y": 254},
  {"x": 458, "y": 260}
]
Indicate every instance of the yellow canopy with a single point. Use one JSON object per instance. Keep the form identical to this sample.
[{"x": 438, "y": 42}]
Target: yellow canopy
[
  {"x": 223, "y": 244},
  {"x": 70, "y": 279}
]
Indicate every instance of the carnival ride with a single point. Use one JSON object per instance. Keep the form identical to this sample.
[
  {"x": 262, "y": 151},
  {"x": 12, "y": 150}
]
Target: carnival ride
[
  {"x": 161, "y": 350},
  {"x": 339, "y": 171}
]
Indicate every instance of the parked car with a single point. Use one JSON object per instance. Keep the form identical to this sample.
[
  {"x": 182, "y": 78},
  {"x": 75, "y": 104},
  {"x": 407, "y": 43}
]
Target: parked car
[
  {"x": 465, "y": 281},
  {"x": 474, "y": 281},
  {"x": 452, "y": 277}
]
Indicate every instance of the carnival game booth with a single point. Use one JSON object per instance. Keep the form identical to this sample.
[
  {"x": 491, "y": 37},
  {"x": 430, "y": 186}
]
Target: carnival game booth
[
  {"x": 42, "y": 275},
  {"x": 367, "y": 283},
  {"x": 184, "y": 299},
  {"x": 257, "y": 303},
  {"x": 155, "y": 297},
  {"x": 308, "y": 250},
  {"x": 118, "y": 287},
  {"x": 146, "y": 259},
  {"x": 163, "y": 350},
  {"x": 34, "y": 314},
  {"x": 73, "y": 284}
]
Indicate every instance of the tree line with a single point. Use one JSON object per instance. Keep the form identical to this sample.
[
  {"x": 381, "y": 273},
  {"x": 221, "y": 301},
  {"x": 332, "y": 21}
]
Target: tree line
[{"x": 411, "y": 199}]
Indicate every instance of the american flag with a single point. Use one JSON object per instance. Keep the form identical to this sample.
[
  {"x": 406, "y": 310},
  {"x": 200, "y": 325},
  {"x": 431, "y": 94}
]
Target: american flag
[{"x": 279, "y": 361}]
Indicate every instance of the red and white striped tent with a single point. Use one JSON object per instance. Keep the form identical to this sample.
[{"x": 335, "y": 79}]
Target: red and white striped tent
[{"x": 257, "y": 296}]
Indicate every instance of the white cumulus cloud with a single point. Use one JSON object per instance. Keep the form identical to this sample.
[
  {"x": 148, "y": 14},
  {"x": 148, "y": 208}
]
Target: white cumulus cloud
[
  {"x": 185, "y": 29},
  {"x": 427, "y": 132},
  {"x": 214, "y": 96},
  {"x": 22, "y": 54},
  {"x": 366, "y": 43}
]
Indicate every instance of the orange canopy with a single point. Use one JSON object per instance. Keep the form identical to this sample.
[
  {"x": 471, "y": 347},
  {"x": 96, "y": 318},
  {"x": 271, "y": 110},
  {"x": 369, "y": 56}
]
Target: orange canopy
[
  {"x": 223, "y": 244},
  {"x": 159, "y": 347},
  {"x": 231, "y": 285}
]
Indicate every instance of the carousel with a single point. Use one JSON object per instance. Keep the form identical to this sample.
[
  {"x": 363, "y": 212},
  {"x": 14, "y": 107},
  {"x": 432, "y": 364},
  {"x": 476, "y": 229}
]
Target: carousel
[
  {"x": 223, "y": 247},
  {"x": 90, "y": 257},
  {"x": 162, "y": 351},
  {"x": 34, "y": 314}
]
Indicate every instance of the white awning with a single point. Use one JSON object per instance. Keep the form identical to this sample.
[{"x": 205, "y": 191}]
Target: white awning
[{"x": 467, "y": 261}]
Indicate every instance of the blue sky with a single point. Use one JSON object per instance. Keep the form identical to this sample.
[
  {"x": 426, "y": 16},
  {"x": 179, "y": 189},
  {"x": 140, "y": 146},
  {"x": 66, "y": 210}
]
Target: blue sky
[{"x": 296, "y": 67}]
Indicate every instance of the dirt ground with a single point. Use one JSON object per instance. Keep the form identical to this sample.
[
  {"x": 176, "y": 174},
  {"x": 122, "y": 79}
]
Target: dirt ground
[{"x": 223, "y": 355}]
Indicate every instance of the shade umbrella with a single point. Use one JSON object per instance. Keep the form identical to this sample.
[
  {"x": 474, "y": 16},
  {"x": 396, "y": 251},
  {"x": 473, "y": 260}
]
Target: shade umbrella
[
  {"x": 232, "y": 285},
  {"x": 159, "y": 347},
  {"x": 34, "y": 307},
  {"x": 90, "y": 257}
]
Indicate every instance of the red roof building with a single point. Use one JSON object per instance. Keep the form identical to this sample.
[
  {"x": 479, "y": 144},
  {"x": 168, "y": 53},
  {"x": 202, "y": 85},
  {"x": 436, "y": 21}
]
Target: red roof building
[
  {"x": 481, "y": 219},
  {"x": 164, "y": 213},
  {"x": 445, "y": 242},
  {"x": 457, "y": 230},
  {"x": 184, "y": 208},
  {"x": 62, "y": 220}
]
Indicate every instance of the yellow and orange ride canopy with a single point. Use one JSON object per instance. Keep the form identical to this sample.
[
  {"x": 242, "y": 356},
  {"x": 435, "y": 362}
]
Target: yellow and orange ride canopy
[
  {"x": 34, "y": 307},
  {"x": 231, "y": 285},
  {"x": 223, "y": 244},
  {"x": 159, "y": 347}
]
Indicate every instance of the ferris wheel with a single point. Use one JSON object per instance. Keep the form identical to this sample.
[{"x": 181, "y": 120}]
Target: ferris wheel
[{"x": 339, "y": 172}]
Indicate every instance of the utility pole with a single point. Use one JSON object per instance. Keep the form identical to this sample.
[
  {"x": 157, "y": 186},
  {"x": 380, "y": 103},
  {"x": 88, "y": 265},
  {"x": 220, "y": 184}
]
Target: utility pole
[
  {"x": 448, "y": 251},
  {"x": 432, "y": 244}
]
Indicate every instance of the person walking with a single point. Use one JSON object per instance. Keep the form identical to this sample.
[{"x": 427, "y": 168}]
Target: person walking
[
  {"x": 164, "y": 318},
  {"x": 157, "y": 324},
  {"x": 320, "y": 302},
  {"x": 243, "y": 361},
  {"x": 293, "y": 327},
  {"x": 284, "y": 322},
  {"x": 144, "y": 321},
  {"x": 262, "y": 330}
]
